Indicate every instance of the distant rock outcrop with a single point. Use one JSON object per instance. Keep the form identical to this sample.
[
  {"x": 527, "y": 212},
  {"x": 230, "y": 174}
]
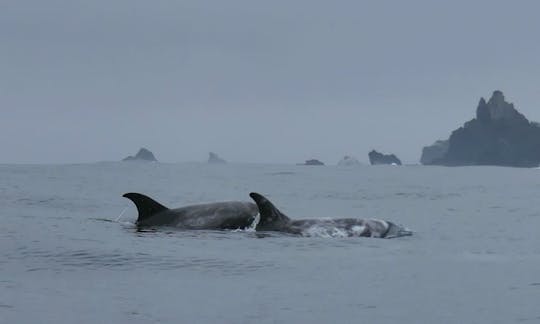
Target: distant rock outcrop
[
  {"x": 312, "y": 162},
  {"x": 376, "y": 158},
  {"x": 499, "y": 135},
  {"x": 348, "y": 161},
  {"x": 142, "y": 155},
  {"x": 215, "y": 159},
  {"x": 435, "y": 152}
]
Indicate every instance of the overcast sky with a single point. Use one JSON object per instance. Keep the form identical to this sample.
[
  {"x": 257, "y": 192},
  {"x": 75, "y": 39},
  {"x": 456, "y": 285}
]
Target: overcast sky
[{"x": 255, "y": 81}]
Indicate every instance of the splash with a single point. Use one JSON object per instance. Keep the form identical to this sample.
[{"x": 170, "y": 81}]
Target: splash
[
  {"x": 325, "y": 232},
  {"x": 251, "y": 228}
]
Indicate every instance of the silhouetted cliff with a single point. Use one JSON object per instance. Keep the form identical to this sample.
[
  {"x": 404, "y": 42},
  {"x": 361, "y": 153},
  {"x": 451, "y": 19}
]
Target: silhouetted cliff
[{"x": 499, "y": 135}]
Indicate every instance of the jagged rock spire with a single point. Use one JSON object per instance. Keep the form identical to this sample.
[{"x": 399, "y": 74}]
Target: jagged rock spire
[
  {"x": 499, "y": 135},
  {"x": 482, "y": 112}
]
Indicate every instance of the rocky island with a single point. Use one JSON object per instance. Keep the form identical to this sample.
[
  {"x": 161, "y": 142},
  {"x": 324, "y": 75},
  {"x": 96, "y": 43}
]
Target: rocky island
[
  {"x": 499, "y": 135},
  {"x": 376, "y": 158},
  {"x": 348, "y": 161},
  {"x": 312, "y": 162},
  {"x": 213, "y": 158},
  {"x": 142, "y": 155}
]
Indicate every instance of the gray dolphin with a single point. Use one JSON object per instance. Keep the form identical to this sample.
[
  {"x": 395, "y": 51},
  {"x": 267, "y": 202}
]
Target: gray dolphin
[
  {"x": 272, "y": 219},
  {"x": 218, "y": 216}
]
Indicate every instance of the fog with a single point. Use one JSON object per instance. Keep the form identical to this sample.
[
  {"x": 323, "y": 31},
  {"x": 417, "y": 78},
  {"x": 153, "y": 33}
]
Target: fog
[{"x": 255, "y": 81}]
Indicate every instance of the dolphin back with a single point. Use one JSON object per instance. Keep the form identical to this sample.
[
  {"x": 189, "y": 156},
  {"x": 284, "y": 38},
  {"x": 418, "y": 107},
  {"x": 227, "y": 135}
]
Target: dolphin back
[{"x": 146, "y": 206}]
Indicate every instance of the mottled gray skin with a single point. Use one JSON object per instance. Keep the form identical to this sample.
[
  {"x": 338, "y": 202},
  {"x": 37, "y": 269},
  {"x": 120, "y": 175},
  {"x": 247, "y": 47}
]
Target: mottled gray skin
[
  {"x": 272, "y": 219},
  {"x": 213, "y": 216}
]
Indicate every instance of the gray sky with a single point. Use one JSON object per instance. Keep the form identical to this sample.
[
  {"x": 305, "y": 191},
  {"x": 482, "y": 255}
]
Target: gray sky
[{"x": 255, "y": 81}]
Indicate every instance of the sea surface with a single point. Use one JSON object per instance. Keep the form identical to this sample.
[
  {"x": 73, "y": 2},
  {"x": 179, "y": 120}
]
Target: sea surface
[{"x": 69, "y": 252}]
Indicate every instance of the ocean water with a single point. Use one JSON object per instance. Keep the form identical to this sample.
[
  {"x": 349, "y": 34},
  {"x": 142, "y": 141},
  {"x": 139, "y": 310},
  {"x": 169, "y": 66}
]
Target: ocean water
[{"x": 67, "y": 257}]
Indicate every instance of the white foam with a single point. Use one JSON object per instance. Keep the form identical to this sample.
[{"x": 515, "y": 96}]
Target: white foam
[
  {"x": 324, "y": 232},
  {"x": 251, "y": 227},
  {"x": 357, "y": 230}
]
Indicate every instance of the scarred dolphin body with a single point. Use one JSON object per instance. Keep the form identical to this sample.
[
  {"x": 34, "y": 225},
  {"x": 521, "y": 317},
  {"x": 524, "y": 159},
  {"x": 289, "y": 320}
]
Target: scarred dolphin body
[
  {"x": 272, "y": 219},
  {"x": 211, "y": 216}
]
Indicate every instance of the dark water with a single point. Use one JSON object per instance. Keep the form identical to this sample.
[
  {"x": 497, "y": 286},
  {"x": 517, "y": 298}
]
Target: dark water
[{"x": 474, "y": 256}]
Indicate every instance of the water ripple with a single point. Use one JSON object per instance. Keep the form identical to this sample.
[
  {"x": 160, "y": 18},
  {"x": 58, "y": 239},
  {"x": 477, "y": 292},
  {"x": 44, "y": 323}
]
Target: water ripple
[{"x": 70, "y": 260}]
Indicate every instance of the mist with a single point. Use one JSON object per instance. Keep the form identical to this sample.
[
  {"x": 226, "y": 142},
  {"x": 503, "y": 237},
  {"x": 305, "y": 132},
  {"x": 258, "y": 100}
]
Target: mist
[{"x": 254, "y": 81}]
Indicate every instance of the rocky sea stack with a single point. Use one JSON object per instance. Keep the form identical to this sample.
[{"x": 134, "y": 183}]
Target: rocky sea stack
[
  {"x": 215, "y": 159},
  {"x": 499, "y": 135},
  {"x": 349, "y": 161},
  {"x": 312, "y": 162},
  {"x": 142, "y": 155},
  {"x": 376, "y": 158}
]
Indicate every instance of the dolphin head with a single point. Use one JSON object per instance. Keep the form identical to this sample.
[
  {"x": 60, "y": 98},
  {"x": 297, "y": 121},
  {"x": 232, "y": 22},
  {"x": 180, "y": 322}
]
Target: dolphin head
[
  {"x": 395, "y": 230},
  {"x": 271, "y": 219}
]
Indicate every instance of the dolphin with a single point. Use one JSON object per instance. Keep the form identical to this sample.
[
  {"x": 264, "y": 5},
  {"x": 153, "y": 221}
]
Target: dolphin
[
  {"x": 213, "y": 216},
  {"x": 272, "y": 219}
]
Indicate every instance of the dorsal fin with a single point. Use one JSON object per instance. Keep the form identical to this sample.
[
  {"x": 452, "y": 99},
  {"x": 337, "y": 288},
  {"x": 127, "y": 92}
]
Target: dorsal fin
[
  {"x": 270, "y": 217},
  {"x": 146, "y": 206}
]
